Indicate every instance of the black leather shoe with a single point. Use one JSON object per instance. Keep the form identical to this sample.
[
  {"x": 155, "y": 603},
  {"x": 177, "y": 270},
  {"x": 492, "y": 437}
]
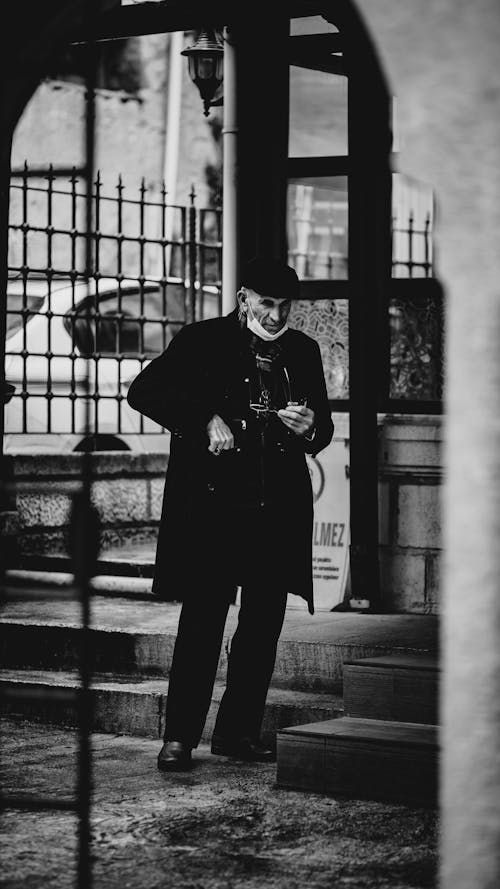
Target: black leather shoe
[
  {"x": 174, "y": 756},
  {"x": 247, "y": 749}
]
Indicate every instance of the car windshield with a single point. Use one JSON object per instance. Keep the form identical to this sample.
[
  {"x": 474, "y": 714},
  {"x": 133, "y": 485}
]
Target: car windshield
[{"x": 127, "y": 323}]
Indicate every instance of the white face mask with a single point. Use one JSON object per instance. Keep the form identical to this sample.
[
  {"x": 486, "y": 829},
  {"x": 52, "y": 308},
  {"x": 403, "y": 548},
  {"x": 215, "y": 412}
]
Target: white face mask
[{"x": 256, "y": 327}]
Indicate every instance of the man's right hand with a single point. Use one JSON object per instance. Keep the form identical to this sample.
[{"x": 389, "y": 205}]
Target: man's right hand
[{"x": 220, "y": 436}]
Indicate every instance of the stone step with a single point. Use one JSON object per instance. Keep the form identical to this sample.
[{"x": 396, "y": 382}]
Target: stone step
[
  {"x": 130, "y": 560},
  {"x": 30, "y": 583},
  {"x": 126, "y": 562},
  {"x": 136, "y": 638},
  {"x": 362, "y": 759},
  {"x": 300, "y": 665},
  {"x": 134, "y": 707},
  {"x": 398, "y": 687}
]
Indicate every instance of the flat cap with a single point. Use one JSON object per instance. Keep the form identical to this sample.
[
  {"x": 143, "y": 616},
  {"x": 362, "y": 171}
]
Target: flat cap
[{"x": 270, "y": 277}]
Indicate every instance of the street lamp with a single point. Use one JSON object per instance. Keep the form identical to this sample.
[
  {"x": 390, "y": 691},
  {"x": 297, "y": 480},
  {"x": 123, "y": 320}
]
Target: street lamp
[
  {"x": 212, "y": 60},
  {"x": 206, "y": 64}
]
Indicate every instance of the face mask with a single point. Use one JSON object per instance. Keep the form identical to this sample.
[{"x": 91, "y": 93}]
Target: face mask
[{"x": 256, "y": 328}]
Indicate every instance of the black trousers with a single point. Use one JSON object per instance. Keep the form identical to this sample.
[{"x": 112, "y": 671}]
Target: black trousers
[{"x": 251, "y": 662}]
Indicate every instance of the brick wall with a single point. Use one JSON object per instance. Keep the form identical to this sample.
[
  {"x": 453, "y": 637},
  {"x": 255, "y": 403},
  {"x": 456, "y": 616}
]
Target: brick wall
[{"x": 410, "y": 464}]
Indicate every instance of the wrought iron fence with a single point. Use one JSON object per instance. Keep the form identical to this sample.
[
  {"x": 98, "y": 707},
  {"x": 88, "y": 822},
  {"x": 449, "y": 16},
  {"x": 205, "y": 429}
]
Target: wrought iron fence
[
  {"x": 157, "y": 266},
  {"x": 412, "y": 248}
]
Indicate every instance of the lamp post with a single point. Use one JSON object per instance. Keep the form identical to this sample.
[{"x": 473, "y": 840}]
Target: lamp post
[
  {"x": 211, "y": 62},
  {"x": 206, "y": 64}
]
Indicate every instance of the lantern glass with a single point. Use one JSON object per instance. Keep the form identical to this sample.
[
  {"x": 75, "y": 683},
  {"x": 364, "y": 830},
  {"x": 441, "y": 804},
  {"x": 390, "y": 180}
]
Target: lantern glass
[
  {"x": 207, "y": 66},
  {"x": 192, "y": 67}
]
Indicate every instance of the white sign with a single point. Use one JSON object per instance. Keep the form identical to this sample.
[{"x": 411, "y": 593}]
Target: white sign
[{"x": 329, "y": 472}]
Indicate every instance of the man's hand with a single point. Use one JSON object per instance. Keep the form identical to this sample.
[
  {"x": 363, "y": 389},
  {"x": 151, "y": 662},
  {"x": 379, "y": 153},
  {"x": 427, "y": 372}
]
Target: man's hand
[
  {"x": 298, "y": 418},
  {"x": 220, "y": 436}
]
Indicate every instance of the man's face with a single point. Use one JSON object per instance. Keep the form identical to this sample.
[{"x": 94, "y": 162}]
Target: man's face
[{"x": 269, "y": 311}]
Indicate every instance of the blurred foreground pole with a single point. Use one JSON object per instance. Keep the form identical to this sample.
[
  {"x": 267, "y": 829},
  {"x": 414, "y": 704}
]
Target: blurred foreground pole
[
  {"x": 470, "y": 792},
  {"x": 450, "y": 136}
]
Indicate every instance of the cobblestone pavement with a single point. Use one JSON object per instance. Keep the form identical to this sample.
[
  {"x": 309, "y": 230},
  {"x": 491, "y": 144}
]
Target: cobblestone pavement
[{"x": 224, "y": 825}]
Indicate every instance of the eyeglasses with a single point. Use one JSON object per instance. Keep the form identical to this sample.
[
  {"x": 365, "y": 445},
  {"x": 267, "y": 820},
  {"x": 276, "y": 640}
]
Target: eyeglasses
[{"x": 263, "y": 407}]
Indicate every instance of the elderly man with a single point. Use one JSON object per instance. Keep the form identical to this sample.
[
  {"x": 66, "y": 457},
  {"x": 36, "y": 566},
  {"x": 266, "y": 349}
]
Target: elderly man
[{"x": 244, "y": 397}]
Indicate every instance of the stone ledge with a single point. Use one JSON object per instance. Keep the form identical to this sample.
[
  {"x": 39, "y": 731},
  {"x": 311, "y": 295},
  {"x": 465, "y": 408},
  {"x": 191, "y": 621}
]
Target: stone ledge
[
  {"x": 111, "y": 463},
  {"x": 423, "y": 421},
  {"x": 411, "y": 475}
]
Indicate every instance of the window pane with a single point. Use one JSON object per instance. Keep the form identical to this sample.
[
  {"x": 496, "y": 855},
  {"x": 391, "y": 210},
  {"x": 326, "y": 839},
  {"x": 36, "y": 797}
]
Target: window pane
[
  {"x": 317, "y": 227},
  {"x": 416, "y": 350},
  {"x": 327, "y": 321},
  {"x": 318, "y": 113}
]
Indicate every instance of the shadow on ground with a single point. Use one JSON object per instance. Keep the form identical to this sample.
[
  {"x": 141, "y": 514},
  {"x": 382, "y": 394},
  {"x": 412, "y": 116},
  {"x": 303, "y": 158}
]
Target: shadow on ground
[{"x": 225, "y": 824}]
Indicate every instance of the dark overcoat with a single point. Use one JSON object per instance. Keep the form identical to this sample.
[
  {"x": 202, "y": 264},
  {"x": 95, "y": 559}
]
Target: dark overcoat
[{"x": 205, "y": 371}]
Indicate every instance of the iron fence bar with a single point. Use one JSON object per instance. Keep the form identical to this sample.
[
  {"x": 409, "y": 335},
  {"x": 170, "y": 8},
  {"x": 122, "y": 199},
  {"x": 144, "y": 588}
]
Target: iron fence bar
[
  {"x": 105, "y": 198},
  {"x": 119, "y": 267},
  {"x": 94, "y": 236},
  {"x": 218, "y": 218},
  {"x": 73, "y": 242},
  {"x": 141, "y": 265},
  {"x": 427, "y": 244},
  {"x": 410, "y": 244},
  {"x": 192, "y": 257},
  {"x": 41, "y": 172},
  {"x": 25, "y": 298},
  {"x": 39, "y": 229},
  {"x": 184, "y": 250},
  {"x": 49, "y": 296},
  {"x": 164, "y": 267},
  {"x": 201, "y": 264}
]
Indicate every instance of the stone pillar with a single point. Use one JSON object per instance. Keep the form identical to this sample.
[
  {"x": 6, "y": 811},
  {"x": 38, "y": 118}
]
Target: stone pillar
[{"x": 441, "y": 57}]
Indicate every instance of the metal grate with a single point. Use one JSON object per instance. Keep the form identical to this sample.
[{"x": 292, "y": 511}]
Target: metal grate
[
  {"x": 412, "y": 248},
  {"x": 155, "y": 267}
]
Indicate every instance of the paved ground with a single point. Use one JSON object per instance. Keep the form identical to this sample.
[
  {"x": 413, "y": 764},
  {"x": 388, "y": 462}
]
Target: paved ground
[{"x": 223, "y": 826}]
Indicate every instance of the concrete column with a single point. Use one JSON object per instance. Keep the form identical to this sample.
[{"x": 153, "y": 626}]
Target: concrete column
[
  {"x": 230, "y": 179},
  {"x": 441, "y": 57}
]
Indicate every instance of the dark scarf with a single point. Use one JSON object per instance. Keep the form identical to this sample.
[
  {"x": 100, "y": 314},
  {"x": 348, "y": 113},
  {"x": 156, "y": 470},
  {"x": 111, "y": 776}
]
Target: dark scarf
[{"x": 270, "y": 369}]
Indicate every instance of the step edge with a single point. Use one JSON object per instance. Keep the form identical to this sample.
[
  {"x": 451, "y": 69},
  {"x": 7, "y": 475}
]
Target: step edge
[
  {"x": 65, "y": 681},
  {"x": 344, "y": 722},
  {"x": 37, "y": 622}
]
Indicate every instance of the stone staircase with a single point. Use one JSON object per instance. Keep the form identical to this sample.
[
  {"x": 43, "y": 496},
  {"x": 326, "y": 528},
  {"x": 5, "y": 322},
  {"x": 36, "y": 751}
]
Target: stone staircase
[
  {"x": 385, "y": 745},
  {"x": 131, "y": 560},
  {"x": 132, "y": 638}
]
